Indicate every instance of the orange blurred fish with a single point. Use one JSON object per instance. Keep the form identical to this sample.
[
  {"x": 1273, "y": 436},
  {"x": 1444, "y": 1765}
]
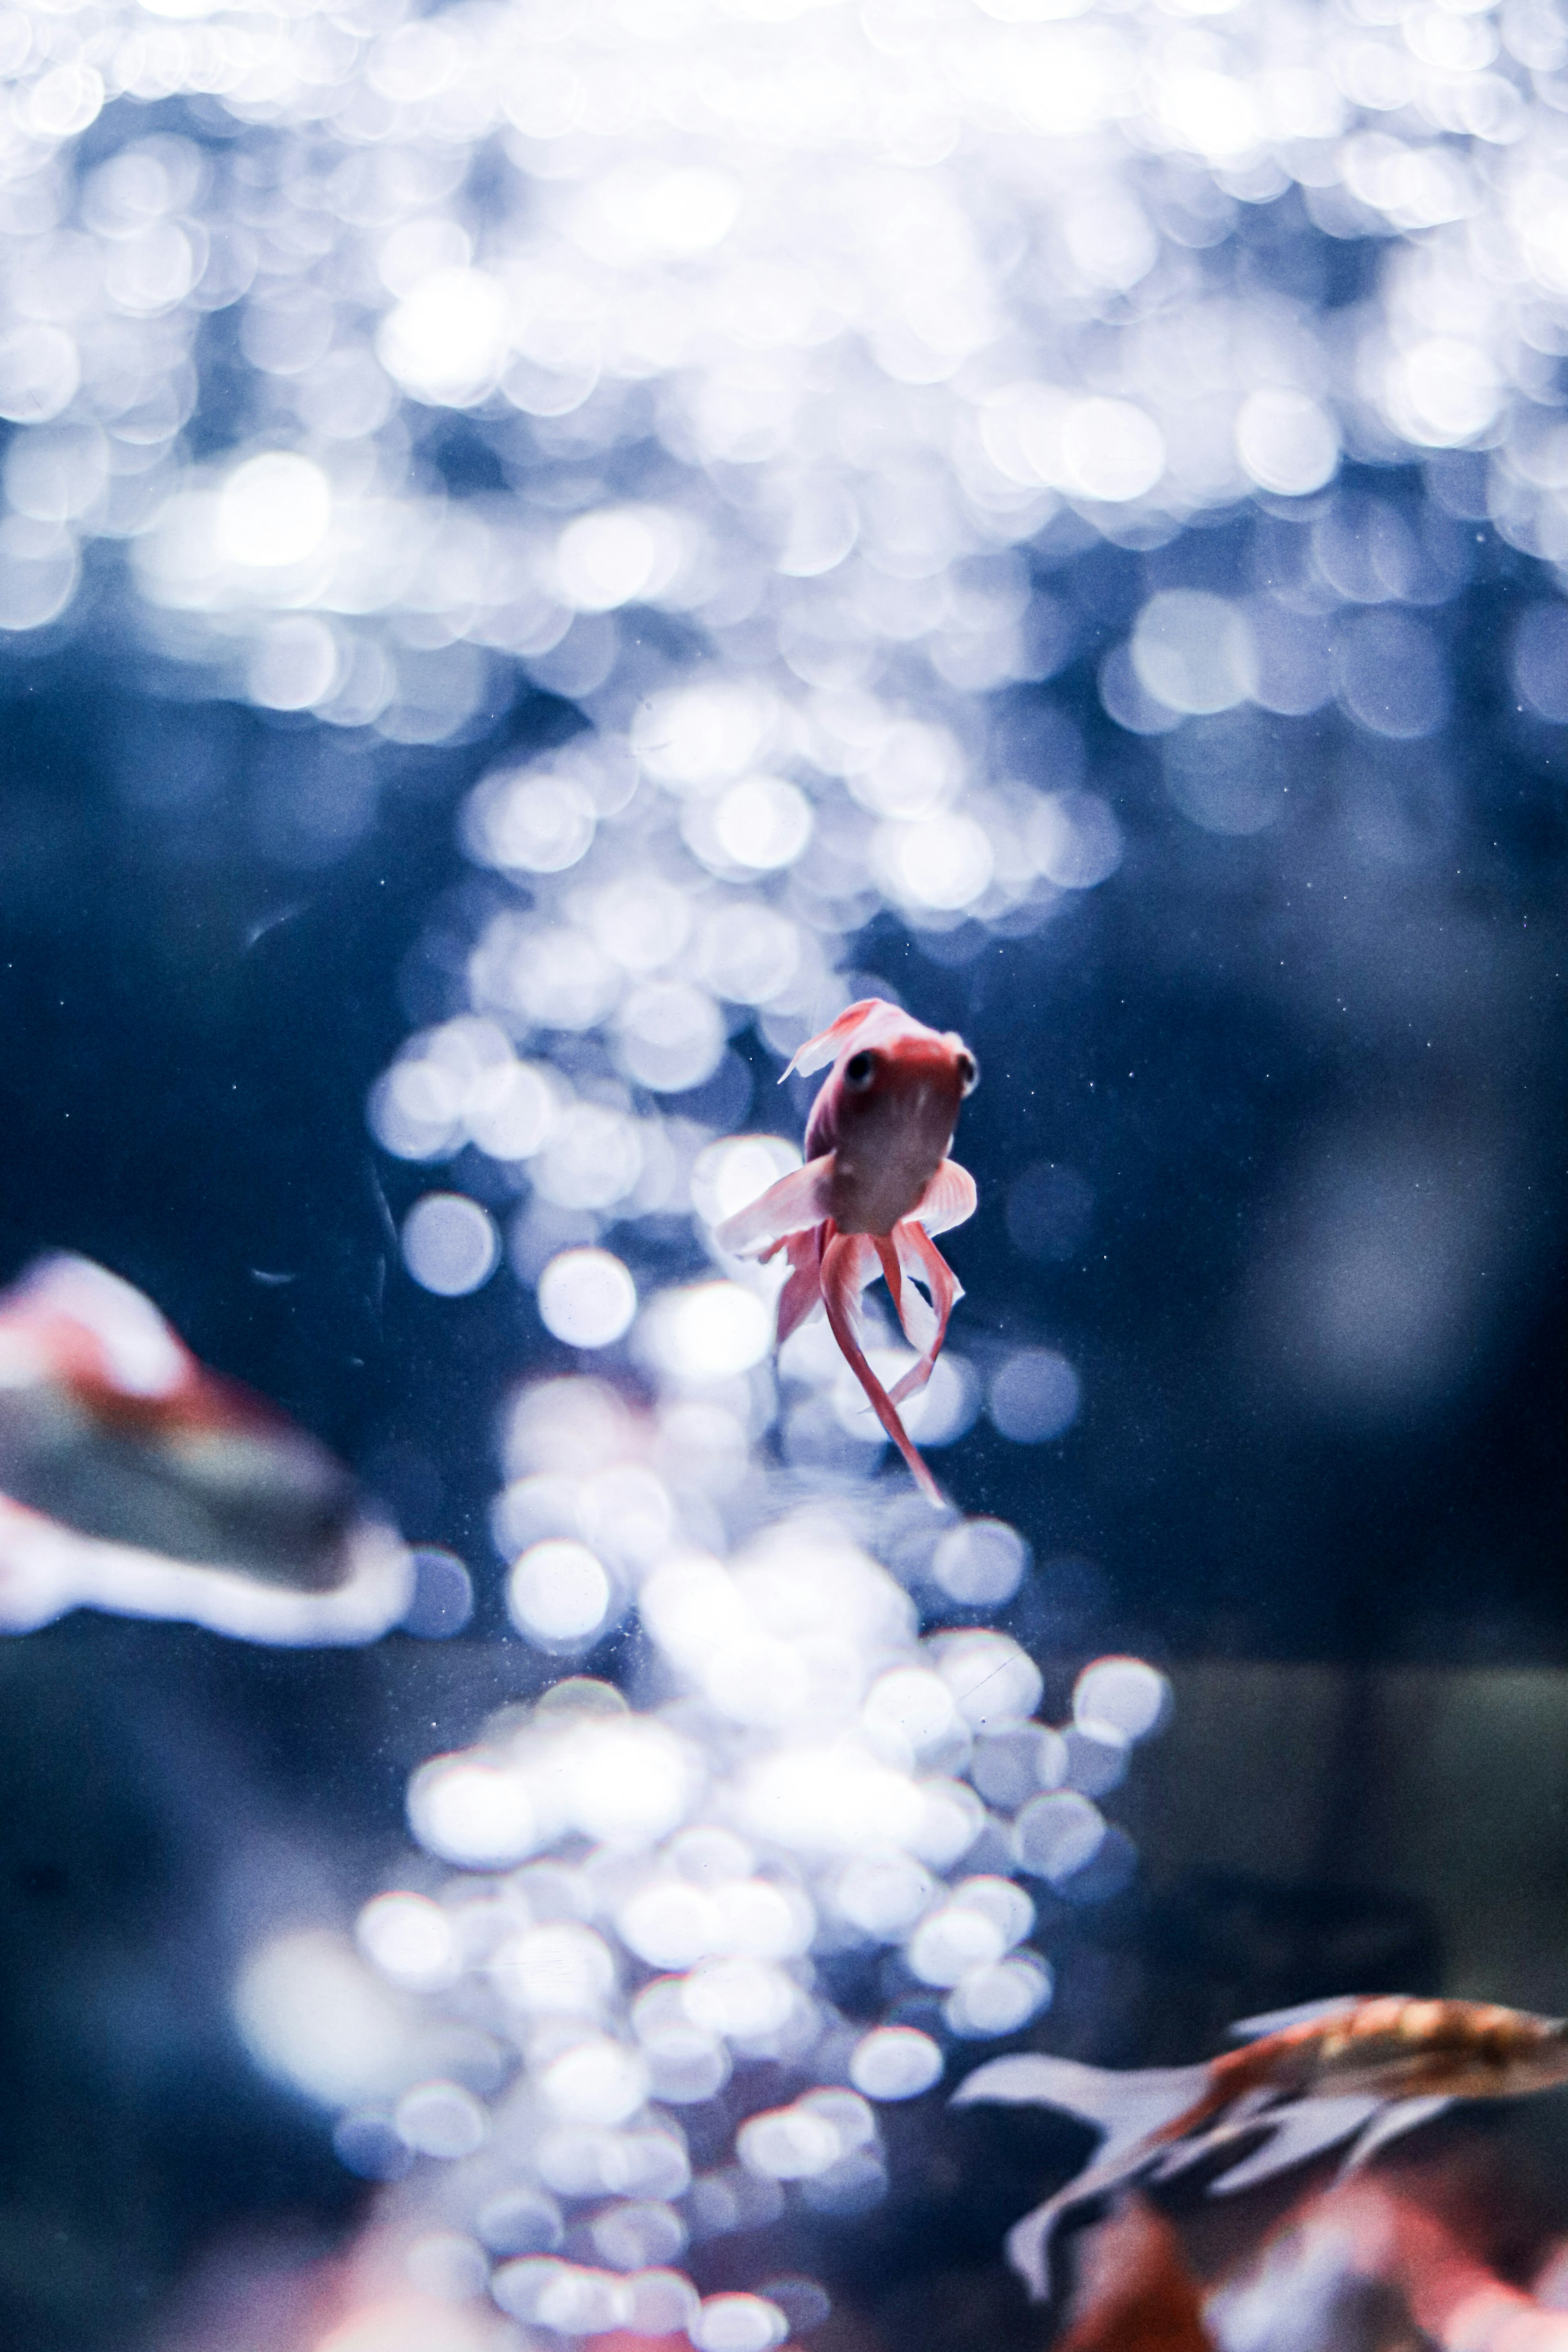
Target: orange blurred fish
[
  {"x": 1136, "y": 2292},
  {"x": 877, "y": 1185},
  {"x": 133, "y": 1479},
  {"x": 1361, "y": 2069}
]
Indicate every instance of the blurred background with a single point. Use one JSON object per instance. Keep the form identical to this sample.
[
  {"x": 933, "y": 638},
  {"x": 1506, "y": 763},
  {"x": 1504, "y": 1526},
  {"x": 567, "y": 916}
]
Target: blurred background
[{"x": 548, "y": 548}]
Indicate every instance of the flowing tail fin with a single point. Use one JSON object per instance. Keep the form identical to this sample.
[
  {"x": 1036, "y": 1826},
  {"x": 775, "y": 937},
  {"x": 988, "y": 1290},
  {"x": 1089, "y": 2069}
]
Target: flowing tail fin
[
  {"x": 1125, "y": 2107},
  {"x": 918, "y": 1255},
  {"x": 845, "y": 1264},
  {"x": 802, "y": 1294},
  {"x": 1133, "y": 2111}
]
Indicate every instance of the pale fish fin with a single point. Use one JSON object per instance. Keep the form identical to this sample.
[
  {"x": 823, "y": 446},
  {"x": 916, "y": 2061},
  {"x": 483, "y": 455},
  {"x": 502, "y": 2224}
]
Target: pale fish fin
[
  {"x": 1124, "y": 2107},
  {"x": 1403, "y": 2115},
  {"x": 1279, "y": 2020},
  {"x": 829, "y": 1043},
  {"x": 46, "y": 1568},
  {"x": 921, "y": 1256},
  {"x": 1029, "y": 2241},
  {"x": 915, "y": 1311},
  {"x": 793, "y": 1205},
  {"x": 138, "y": 1352},
  {"x": 843, "y": 1274},
  {"x": 1303, "y": 2129},
  {"x": 892, "y": 1274},
  {"x": 802, "y": 1294},
  {"x": 950, "y": 1199}
]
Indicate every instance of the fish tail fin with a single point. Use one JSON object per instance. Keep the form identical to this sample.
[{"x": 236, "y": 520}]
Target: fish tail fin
[
  {"x": 1029, "y": 2241},
  {"x": 844, "y": 1264},
  {"x": 1137, "y": 2113},
  {"x": 802, "y": 1294},
  {"x": 887, "y": 1250},
  {"x": 1126, "y": 2107},
  {"x": 919, "y": 1255}
]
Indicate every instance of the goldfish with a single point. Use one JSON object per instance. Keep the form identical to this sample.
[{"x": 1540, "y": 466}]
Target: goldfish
[
  {"x": 1360, "y": 2068},
  {"x": 133, "y": 1479},
  {"x": 877, "y": 1185}
]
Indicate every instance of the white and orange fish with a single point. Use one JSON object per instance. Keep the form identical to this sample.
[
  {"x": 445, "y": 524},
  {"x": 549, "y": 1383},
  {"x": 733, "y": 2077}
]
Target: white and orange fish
[
  {"x": 876, "y": 1186},
  {"x": 133, "y": 1479},
  {"x": 1364, "y": 2070}
]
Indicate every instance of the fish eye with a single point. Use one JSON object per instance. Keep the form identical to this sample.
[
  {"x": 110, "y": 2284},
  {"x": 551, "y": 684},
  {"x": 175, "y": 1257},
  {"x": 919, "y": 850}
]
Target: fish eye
[
  {"x": 859, "y": 1070},
  {"x": 968, "y": 1072}
]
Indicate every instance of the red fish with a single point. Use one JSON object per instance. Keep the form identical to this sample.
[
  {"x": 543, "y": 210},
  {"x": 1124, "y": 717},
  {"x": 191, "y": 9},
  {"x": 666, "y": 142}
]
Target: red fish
[
  {"x": 1362, "y": 2070},
  {"x": 133, "y": 1479},
  {"x": 876, "y": 1186}
]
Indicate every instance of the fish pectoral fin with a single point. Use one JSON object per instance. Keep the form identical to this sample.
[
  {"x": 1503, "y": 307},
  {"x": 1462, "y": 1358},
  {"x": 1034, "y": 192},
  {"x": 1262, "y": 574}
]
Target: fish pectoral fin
[
  {"x": 1404, "y": 2115},
  {"x": 949, "y": 1199},
  {"x": 829, "y": 1043},
  {"x": 1277, "y": 2021},
  {"x": 793, "y": 1205}
]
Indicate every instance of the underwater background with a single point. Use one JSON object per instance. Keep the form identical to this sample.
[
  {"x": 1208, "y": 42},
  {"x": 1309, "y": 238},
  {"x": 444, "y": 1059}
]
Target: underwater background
[{"x": 546, "y": 549}]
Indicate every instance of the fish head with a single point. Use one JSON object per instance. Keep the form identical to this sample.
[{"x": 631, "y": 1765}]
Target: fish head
[
  {"x": 1538, "y": 2060},
  {"x": 917, "y": 1075},
  {"x": 894, "y": 1092}
]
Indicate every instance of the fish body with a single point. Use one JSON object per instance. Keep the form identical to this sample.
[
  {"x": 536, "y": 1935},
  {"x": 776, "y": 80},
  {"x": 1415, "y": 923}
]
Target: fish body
[
  {"x": 876, "y": 1186},
  {"x": 1364, "y": 2070},
  {"x": 134, "y": 1480}
]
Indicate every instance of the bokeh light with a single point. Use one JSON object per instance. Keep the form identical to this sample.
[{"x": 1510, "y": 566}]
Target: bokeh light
[
  {"x": 639, "y": 1902},
  {"x": 917, "y": 478},
  {"x": 1035, "y": 1395},
  {"x": 587, "y": 1297},
  {"x": 449, "y": 1245}
]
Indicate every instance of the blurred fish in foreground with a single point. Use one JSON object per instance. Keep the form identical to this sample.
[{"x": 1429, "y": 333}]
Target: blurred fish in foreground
[
  {"x": 1137, "y": 2293},
  {"x": 1362, "y": 2234},
  {"x": 1362, "y": 2069},
  {"x": 133, "y": 1479}
]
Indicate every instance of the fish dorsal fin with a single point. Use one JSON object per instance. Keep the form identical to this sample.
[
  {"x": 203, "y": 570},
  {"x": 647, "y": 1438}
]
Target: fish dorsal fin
[
  {"x": 1279, "y": 2020},
  {"x": 141, "y": 1355},
  {"x": 869, "y": 1014}
]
